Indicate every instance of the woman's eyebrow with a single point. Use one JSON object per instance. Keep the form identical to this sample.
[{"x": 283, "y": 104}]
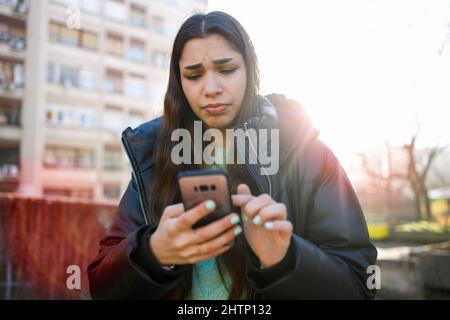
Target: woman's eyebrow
[{"x": 199, "y": 65}]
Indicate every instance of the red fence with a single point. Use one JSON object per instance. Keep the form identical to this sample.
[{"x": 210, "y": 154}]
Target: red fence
[{"x": 41, "y": 237}]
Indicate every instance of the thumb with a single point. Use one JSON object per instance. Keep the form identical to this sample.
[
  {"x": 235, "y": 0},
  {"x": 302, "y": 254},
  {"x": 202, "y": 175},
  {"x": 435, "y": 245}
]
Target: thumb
[
  {"x": 243, "y": 189},
  {"x": 243, "y": 195}
]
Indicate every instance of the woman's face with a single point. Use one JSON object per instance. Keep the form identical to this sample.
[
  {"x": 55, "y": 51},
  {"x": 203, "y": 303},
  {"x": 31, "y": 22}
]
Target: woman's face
[{"x": 214, "y": 78}]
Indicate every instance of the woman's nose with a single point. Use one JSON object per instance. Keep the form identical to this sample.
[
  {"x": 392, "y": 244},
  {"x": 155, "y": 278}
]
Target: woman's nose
[{"x": 212, "y": 85}]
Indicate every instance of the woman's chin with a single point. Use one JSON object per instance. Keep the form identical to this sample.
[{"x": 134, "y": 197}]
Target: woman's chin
[{"x": 218, "y": 122}]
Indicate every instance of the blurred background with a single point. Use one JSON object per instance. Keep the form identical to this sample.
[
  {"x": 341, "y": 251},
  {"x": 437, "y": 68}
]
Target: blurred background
[{"x": 373, "y": 75}]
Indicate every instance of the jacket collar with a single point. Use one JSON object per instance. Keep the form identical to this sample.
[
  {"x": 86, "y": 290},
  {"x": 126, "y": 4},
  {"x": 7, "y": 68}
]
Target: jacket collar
[{"x": 139, "y": 144}]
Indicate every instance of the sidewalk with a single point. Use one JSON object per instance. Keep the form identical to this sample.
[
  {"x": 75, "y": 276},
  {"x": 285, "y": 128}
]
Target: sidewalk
[{"x": 411, "y": 271}]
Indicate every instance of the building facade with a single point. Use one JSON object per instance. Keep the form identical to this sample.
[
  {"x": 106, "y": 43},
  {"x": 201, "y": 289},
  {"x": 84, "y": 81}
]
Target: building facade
[{"x": 73, "y": 75}]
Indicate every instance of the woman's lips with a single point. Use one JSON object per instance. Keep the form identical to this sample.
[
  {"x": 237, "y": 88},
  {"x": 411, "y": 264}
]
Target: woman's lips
[{"x": 216, "y": 109}]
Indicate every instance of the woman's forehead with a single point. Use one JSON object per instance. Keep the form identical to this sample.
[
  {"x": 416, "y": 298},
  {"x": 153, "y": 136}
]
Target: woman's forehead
[{"x": 207, "y": 51}]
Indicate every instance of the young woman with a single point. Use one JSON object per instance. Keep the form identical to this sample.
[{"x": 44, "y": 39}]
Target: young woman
[{"x": 298, "y": 233}]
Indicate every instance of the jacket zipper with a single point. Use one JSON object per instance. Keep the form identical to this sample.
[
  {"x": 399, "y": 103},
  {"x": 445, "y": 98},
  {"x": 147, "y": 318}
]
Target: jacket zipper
[
  {"x": 255, "y": 175},
  {"x": 135, "y": 177},
  {"x": 259, "y": 164}
]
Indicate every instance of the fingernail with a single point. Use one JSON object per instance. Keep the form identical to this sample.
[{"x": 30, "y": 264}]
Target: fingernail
[
  {"x": 210, "y": 205},
  {"x": 237, "y": 230},
  {"x": 244, "y": 217},
  {"x": 235, "y": 219},
  {"x": 268, "y": 225},
  {"x": 257, "y": 220}
]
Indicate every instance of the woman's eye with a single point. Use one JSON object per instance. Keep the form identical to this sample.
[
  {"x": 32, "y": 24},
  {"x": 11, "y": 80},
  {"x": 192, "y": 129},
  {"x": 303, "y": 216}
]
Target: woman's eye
[
  {"x": 193, "y": 77},
  {"x": 229, "y": 70},
  {"x": 226, "y": 71}
]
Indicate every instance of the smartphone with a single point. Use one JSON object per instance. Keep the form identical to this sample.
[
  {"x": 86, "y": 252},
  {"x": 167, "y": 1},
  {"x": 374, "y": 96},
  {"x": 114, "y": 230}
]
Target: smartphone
[{"x": 200, "y": 185}]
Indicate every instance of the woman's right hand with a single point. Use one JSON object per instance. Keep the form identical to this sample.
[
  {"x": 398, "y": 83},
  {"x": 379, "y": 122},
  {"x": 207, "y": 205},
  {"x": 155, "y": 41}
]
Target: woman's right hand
[{"x": 175, "y": 242}]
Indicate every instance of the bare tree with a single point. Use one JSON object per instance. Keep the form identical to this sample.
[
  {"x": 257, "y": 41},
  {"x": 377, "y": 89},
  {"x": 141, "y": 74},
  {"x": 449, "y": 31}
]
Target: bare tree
[{"x": 418, "y": 167}]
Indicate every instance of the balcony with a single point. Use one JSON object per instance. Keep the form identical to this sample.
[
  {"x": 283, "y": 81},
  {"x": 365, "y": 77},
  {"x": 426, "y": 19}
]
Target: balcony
[
  {"x": 9, "y": 172},
  {"x": 9, "y": 165},
  {"x": 10, "y": 133},
  {"x": 12, "y": 38},
  {"x": 79, "y": 136},
  {"x": 12, "y": 79},
  {"x": 57, "y": 92},
  {"x": 69, "y": 177},
  {"x": 16, "y": 9},
  {"x": 9, "y": 51},
  {"x": 10, "y": 111},
  {"x": 16, "y": 94}
]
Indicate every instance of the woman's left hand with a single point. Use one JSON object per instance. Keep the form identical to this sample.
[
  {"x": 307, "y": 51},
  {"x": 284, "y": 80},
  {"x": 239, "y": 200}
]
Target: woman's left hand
[{"x": 265, "y": 226}]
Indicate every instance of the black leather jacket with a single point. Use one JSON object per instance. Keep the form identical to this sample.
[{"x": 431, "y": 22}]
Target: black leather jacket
[{"x": 330, "y": 249}]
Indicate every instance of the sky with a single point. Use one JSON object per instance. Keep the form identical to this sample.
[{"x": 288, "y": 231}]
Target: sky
[{"x": 365, "y": 71}]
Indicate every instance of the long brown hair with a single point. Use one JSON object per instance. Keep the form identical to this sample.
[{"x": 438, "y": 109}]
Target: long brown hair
[{"x": 178, "y": 114}]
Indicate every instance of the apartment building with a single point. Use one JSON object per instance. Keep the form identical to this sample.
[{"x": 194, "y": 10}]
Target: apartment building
[
  {"x": 13, "y": 16},
  {"x": 66, "y": 93}
]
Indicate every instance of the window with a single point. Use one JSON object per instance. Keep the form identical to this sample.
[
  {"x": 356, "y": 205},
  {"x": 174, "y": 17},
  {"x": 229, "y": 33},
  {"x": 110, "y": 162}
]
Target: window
[
  {"x": 9, "y": 160},
  {"x": 4, "y": 31},
  {"x": 158, "y": 24},
  {"x": 87, "y": 79},
  {"x": 111, "y": 191},
  {"x": 12, "y": 35},
  {"x": 114, "y": 44},
  {"x": 137, "y": 16},
  {"x": 67, "y": 157},
  {"x": 90, "y": 5},
  {"x": 85, "y": 158},
  {"x": 59, "y": 33},
  {"x": 71, "y": 116},
  {"x": 136, "y": 50},
  {"x": 10, "y": 112},
  {"x": 19, "y": 6},
  {"x": 11, "y": 75},
  {"x": 89, "y": 40},
  {"x": 135, "y": 86},
  {"x": 60, "y": 157},
  {"x": 113, "y": 157},
  {"x": 86, "y": 5},
  {"x": 69, "y": 76},
  {"x": 170, "y": 28},
  {"x": 159, "y": 60},
  {"x": 53, "y": 72},
  {"x": 116, "y": 9},
  {"x": 114, "y": 81},
  {"x": 69, "y": 36},
  {"x": 19, "y": 75},
  {"x": 112, "y": 120},
  {"x": 8, "y": 2}
]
